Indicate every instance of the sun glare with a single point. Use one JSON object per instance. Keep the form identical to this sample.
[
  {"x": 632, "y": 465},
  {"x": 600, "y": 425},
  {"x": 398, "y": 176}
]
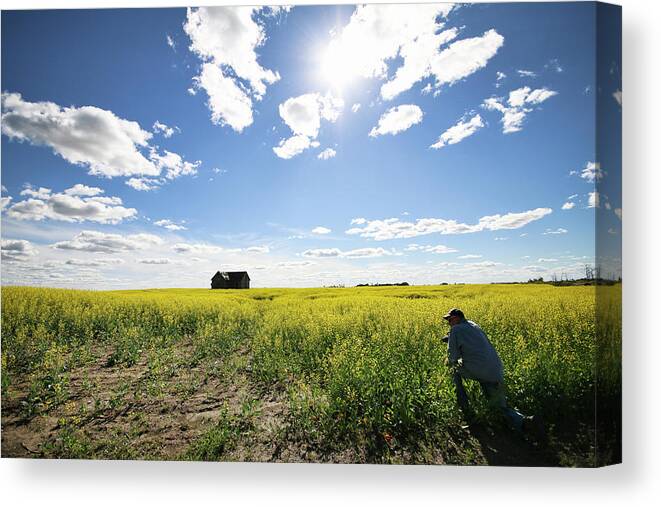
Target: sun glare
[{"x": 336, "y": 68}]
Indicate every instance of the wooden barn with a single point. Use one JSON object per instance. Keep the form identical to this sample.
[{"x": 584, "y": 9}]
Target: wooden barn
[{"x": 230, "y": 280}]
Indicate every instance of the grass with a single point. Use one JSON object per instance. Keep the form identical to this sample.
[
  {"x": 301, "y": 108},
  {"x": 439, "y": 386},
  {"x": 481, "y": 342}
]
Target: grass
[{"x": 359, "y": 372}]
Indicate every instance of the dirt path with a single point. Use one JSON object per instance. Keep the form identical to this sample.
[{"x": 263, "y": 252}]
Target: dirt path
[{"x": 128, "y": 412}]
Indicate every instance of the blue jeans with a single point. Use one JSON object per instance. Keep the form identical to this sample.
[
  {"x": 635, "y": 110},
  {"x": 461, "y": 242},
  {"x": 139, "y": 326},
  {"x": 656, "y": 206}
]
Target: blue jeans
[{"x": 495, "y": 394}]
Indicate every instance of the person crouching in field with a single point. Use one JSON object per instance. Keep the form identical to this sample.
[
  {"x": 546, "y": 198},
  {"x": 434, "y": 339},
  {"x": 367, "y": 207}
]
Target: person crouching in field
[{"x": 472, "y": 356}]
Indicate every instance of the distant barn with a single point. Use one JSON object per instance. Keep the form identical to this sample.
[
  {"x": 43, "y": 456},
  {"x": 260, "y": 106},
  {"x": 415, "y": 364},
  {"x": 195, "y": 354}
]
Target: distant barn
[{"x": 230, "y": 280}]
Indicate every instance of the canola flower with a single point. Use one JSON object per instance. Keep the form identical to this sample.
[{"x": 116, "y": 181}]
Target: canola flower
[{"x": 359, "y": 365}]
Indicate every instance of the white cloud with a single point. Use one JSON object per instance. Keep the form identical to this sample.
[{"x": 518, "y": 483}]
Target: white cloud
[
  {"x": 226, "y": 39},
  {"x": 303, "y": 115},
  {"x": 543, "y": 259},
  {"x": 75, "y": 204},
  {"x": 107, "y": 145},
  {"x": 539, "y": 95},
  {"x": 420, "y": 57},
  {"x": 464, "y": 57},
  {"x": 469, "y": 256},
  {"x": 321, "y": 230},
  {"x": 617, "y": 95},
  {"x": 97, "y": 262},
  {"x": 366, "y": 252},
  {"x": 326, "y": 154},
  {"x": 4, "y": 189},
  {"x": 377, "y": 33},
  {"x": 143, "y": 184},
  {"x": 515, "y": 113},
  {"x": 229, "y": 36},
  {"x": 17, "y": 250},
  {"x": 170, "y": 41},
  {"x": 355, "y": 108},
  {"x": 228, "y": 103},
  {"x": 554, "y": 65},
  {"x": 5, "y": 202},
  {"x": 393, "y": 228},
  {"x": 483, "y": 264},
  {"x": 295, "y": 264},
  {"x": 89, "y": 136},
  {"x": 517, "y": 97},
  {"x": 83, "y": 190},
  {"x": 322, "y": 252},
  {"x": 458, "y": 61},
  {"x": 95, "y": 241},
  {"x": 258, "y": 249},
  {"x": 559, "y": 230},
  {"x": 437, "y": 249},
  {"x": 162, "y": 128},
  {"x": 358, "y": 221},
  {"x": 593, "y": 199},
  {"x": 202, "y": 249},
  {"x": 173, "y": 165},
  {"x": 170, "y": 225},
  {"x": 40, "y": 193},
  {"x": 592, "y": 172},
  {"x": 158, "y": 260},
  {"x": 618, "y": 212},
  {"x": 568, "y": 205},
  {"x": 350, "y": 254},
  {"x": 293, "y": 146},
  {"x": 526, "y": 73},
  {"x": 458, "y": 132},
  {"x": 500, "y": 76},
  {"x": 397, "y": 119}
]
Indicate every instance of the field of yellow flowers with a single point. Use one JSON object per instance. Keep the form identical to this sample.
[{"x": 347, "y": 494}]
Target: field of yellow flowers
[{"x": 339, "y": 375}]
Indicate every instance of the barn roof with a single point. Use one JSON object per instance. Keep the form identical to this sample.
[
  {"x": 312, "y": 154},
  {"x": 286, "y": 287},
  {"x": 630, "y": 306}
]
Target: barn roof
[{"x": 231, "y": 275}]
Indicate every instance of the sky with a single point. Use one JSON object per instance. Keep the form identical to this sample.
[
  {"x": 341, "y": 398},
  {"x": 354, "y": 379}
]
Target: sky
[{"x": 308, "y": 145}]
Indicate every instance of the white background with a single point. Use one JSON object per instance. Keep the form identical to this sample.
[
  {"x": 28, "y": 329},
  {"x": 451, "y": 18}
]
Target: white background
[{"x": 636, "y": 482}]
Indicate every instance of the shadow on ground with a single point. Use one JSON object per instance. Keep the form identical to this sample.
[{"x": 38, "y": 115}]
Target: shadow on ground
[{"x": 504, "y": 447}]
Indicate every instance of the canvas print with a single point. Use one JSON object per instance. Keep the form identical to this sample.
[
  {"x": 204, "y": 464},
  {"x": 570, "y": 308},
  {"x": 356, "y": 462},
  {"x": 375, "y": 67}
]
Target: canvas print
[{"x": 379, "y": 233}]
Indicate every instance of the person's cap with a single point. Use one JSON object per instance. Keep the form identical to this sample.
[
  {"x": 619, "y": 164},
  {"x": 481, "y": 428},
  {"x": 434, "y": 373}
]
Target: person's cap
[{"x": 454, "y": 312}]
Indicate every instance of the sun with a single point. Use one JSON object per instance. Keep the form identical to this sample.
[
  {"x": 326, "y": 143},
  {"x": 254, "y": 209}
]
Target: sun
[{"x": 336, "y": 67}]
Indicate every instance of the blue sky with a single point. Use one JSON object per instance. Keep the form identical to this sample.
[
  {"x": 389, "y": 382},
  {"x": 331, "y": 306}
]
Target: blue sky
[{"x": 310, "y": 146}]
